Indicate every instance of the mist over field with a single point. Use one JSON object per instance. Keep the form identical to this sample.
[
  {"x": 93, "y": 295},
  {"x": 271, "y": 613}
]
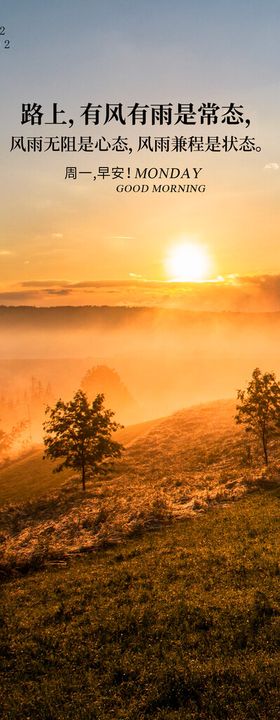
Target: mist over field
[{"x": 167, "y": 359}]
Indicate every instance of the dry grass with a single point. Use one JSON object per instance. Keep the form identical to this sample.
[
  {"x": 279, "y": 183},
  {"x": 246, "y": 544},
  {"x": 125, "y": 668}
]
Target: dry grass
[{"x": 175, "y": 469}]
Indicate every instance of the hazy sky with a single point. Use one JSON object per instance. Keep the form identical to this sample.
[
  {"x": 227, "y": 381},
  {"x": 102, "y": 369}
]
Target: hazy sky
[{"x": 113, "y": 51}]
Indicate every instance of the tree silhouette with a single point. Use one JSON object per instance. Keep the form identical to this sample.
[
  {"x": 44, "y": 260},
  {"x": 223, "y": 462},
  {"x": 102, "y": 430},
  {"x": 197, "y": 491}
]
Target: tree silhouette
[
  {"x": 108, "y": 380},
  {"x": 80, "y": 432},
  {"x": 258, "y": 408}
]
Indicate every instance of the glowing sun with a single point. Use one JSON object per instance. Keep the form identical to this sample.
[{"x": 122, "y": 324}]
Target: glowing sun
[{"x": 188, "y": 262}]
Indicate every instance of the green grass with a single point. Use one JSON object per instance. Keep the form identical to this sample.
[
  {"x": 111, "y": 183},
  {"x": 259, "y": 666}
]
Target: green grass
[
  {"x": 29, "y": 477},
  {"x": 178, "y": 624}
]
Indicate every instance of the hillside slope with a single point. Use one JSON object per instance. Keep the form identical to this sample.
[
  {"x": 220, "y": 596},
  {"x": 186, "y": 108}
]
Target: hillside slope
[
  {"x": 179, "y": 467},
  {"x": 179, "y": 624},
  {"x": 30, "y": 476}
]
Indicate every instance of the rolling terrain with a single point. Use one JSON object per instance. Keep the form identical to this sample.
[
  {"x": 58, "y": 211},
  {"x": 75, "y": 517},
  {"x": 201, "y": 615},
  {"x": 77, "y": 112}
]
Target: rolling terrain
[
  {"x": 154, "y": 594},
  {"x": 30, "y": 476},
  {"x": 170, "y": 469}
]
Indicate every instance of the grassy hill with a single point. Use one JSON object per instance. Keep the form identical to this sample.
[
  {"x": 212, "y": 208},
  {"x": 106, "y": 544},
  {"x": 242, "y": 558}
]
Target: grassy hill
[
  {"x": 29, "y": 476},
  {"x": 181, "y": 623},
  {"x": 171, "y": 469},
  {"x": 100, "y": 618}
]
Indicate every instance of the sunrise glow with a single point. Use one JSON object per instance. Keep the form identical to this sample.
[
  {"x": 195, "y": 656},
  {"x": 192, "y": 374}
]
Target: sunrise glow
[{"x": 188, "y": 262}]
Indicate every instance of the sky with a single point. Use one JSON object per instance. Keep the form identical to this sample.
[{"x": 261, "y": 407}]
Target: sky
[{"x": 80, "y": 241}]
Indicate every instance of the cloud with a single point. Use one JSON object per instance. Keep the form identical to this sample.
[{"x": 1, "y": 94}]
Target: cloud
[
  {"x": 102, "y": 283},
  {"x": 121, "y": 237},
  {"x": 44, "y": 283},
  {"x": 234, "y": 294},
  {"x": 62, "y": 291},
  {"x": 18, "y": 296},
  {"x": 271, "y": 166},
  {"x": 4, "y": 253}
]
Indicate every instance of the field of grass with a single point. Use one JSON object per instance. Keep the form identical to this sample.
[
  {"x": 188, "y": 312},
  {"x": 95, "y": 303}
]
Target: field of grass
[
  {"x": 178, "y": 467},
  {"x": 181, "y": 623},
  {"x": 153, "y": 595},
  {"x": 30, "y": 476},
  {"x": 171, "y": 468}
]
